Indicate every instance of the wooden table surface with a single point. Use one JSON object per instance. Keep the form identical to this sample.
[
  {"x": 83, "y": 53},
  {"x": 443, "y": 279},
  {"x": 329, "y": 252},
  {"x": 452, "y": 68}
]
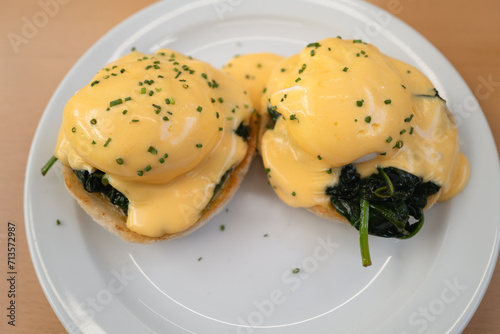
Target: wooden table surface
[{"x": 33, "y": 64}]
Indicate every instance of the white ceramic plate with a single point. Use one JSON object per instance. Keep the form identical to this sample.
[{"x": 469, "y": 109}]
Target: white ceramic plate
[{"x": 240, "y": 280}]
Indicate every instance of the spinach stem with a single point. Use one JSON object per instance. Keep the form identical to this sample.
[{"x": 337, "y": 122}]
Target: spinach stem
[
  {"x": 49, "y": 164},
  {"x": 363, "y": 233}
]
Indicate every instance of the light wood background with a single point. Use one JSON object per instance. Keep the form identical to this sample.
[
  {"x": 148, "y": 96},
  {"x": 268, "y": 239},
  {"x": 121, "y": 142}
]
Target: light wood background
[{"x": 467, "y": 32}]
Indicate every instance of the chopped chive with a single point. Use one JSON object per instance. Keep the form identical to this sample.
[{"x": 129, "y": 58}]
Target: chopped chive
[
  {"x": 156, "y": 67},
  {"x": 152, "y": 150},
  {"x": 298, "y": 79},
  {"x": 58, "y": 222},
  {"x": 402, "y": 131},
  {"x": 93, "y": 142},
  {"x": 319, "y": 157},
  {"x": 140, "y": 173},
  {"x": 93, "y": 121},
  {"x": 128, "y": 98},
  {"x": 161, "y": 160},
  {"x": 185, "y": 86},
  {"x": 368, "y": 119},
  {"x": 217, "y": 114},
  {"x": 313, "y": 53},
  {"x": 135, "y": 120},
  {"x": 293, "y": 117},
  {"x": 124, "y": 111},
  {"x": 204, "y": 75},
  {"x": 229, "y": 118},
  {"x": 408, "y": 120},
  {"x": 329, "y": 171},
  {"x": 73, "y": 129},
  {"x": 303, "y": 68},
  {"x": 143, "y": 90},
  {"x": 221, "y": 100},
  {"x": 148, "y": 67},
  {"x": 357, "y": 41},
  {"x": 293, "y": 193},
  {"x": 165, "y": 118},
  {"x": 359, "y": 103},
  {"x": 296, "y": 270},
  {"x": 156, "y": 106},
  {"x": 403, "y": 86},
  {"x": 151, "y": 93},
  {"x": 387, "y": 101},
  {"x": 345, "y": 69},
  {"x": 115, "y": 102},
  {"x": 106, "y": 76},
  {"x": 389, "y": 139},
  {"x": 119, "y": 161},
  {"x": 316, "y": 45},
  {"x": 122, "y": 70},
  {"x": 411, "y": 130},
  {"x": 107, "y": 142},
  {"x": 199, "y": 109},
  {"x": 222, "y": 227},
  {"x": 95, "y": 82},
  {"x": 148, "y": 168},
  {"x": 48, "y": 165},
  {"x": 398, "y": 144},
  {"x": 199, "y": 145}
]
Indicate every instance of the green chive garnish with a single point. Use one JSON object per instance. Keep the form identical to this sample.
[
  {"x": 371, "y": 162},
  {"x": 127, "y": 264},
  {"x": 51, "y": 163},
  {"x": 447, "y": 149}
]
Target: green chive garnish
[
  {"x": 399, "y": 144},
  {"x": 119, "y": 161},
  {"x": 368, "y": 119},
  {"x": 152, "y": 150},
  {"x": 107, "y": 142},
  {"x": 387, "y": 101},
  {"x": 115, "y": 102},
  {"x": 408, "y": 120}
]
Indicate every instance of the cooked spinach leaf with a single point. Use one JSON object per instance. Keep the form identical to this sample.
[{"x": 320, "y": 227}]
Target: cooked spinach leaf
[
  {"x": 273, "y": 114},
  {"x": 382, "y": 203},
  {"x": 243, "y": 131},
  {"x": 435, "y": 94},
  {"x": 93, "y": 182}
]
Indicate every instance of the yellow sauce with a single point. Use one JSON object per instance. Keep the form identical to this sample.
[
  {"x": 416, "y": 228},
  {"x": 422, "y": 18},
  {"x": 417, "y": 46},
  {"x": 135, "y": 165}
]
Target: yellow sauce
[
  {"x": 162, "y": 129},
  {"x": 342, "y": 102},
  {"x": 252, "y": 71}
]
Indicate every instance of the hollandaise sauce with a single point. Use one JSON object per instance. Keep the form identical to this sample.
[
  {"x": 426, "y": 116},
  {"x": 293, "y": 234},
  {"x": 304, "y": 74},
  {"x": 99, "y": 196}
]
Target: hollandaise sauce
[{"x": 163, "y": 129}]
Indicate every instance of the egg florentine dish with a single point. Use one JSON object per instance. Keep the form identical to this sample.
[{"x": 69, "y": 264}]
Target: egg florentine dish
[
  {"x": 358, "y": 137},
  {"x": 156, "y": 144}
]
